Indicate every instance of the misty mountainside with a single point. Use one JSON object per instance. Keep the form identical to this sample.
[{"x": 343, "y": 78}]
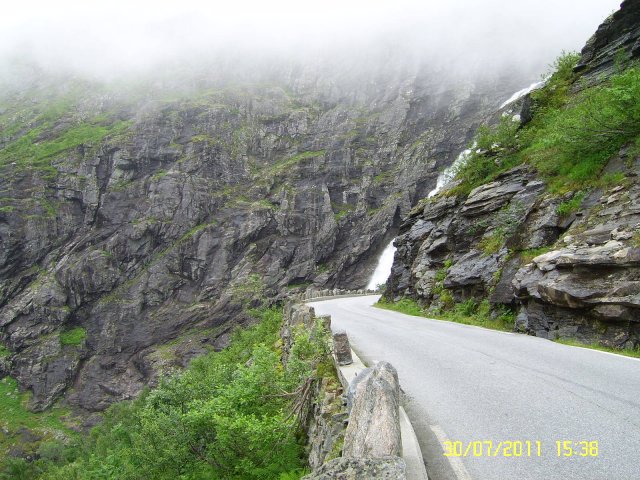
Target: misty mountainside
[
  {"x": 541, "y": 228},
  {"x": 136, "y": 220}
]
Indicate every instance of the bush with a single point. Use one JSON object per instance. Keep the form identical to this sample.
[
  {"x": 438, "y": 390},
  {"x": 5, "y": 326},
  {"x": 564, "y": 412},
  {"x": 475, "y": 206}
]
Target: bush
[
  {"x": 571, "y": 136},
  {"x": 228, "y": 415}
]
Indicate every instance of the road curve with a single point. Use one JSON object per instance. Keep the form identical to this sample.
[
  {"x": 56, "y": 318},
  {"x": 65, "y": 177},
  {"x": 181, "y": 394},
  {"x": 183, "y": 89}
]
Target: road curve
[{"x": 471, "y": 384}]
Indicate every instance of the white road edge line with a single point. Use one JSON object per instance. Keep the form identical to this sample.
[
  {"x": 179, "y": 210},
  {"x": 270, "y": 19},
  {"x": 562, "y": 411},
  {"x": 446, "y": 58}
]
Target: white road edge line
[
  {"x": 456, "y": 464},
  {"x": 618, "y": 355}
]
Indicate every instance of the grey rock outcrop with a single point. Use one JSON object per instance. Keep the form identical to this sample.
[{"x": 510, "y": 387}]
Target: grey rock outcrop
[
  {"x": 615, "y": 43},
  {"x": 461, "y": 245},
  {"x": 153, "y": 237},
  {"x": 374, "y": 418},
  {"x": 588, "y": 286},
  {"x": 562, "y": 275},
  {"x": 584, "y": 282}
]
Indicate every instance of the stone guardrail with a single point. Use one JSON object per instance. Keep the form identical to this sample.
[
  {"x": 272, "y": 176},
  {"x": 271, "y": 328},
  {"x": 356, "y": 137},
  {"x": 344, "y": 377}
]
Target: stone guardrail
[
  {"x": 313, "y": 295},
  {"x": 379, "y": 441}
]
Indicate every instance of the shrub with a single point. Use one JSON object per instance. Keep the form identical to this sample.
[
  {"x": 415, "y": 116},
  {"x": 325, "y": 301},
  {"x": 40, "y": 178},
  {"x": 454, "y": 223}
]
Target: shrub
[
  {"x": 571, "y": 136},
  {"x": 228, "y": 415}
]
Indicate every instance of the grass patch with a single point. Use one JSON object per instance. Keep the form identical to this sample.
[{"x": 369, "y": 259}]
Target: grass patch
[
  {"x": 382, "y": 177},
  {"x": 492, "y": 243},
  {"x": 407, "y": 306},
  {"x": 282, "y": 165},
  {"x": 341, "y": 211},
  {"x": 4, "y": 351},
  {"x": 74, "y": 337},
  {"x": 570, "y": 206},
  {"x": 467, "y": 313},
  {"x": 628, "y": 352},
  {"x": 15, "y": 419},
  {"x": 527, "y": 256},
  {"x": 158, "y": 175}
]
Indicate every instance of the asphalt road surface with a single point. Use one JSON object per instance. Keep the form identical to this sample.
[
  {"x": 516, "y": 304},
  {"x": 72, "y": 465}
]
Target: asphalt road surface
[{"x": 485, "y": 388}]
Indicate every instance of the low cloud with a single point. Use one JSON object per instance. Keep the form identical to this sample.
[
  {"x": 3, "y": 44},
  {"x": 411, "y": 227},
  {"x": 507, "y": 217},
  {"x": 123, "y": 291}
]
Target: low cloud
[{"x": 120, "y": 37}]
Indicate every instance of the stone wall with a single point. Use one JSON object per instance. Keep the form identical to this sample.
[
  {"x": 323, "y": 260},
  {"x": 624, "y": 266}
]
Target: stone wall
[
  {"x": 361, "y": 441},
  {"x": 324, "y": 414}
]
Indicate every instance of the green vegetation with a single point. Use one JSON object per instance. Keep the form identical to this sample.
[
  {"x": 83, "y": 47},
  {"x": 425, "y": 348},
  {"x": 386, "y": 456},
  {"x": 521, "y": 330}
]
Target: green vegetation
[
  {"x": 570, "y": 206},
  {"x": 158, "y": 175},
  {"x": 405, "y": 305},
  {"x": 303, "y": 284},
  {"x": 469, "y": 312},
  {"x": 527, "y": 256},
  {"x": 43, "y": 124},
  {"x": 283, "y": 165},
  {"x": 249, "y": 290},
  {"x": 75, "y": 336},
  {"x": 4, "y": 351},
  {"x": 46, "y": 430},
  {"x": 507, "y": 220},
  {"x": 322, "y": 268},
  {"x": 341, "y": 211},
  {"x": 571, "y": 136},
  {"x": 229, "y": 415},
  {"x": 629, "y": 352},
  {"x": 492, "y": 243},
  {"x": 37, "y": 147},
  {"x": 382, "y": 177}
]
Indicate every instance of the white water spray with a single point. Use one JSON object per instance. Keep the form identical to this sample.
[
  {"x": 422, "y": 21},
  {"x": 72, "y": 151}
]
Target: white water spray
[
  {"x": 449, "y": 173},
  {"x": 521, "y": 93},
  {"x": 383, "y": 270}
]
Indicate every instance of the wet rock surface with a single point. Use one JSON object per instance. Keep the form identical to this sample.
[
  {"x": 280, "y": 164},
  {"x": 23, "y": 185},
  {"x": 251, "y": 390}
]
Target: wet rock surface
[
  {"x": 567, "y": 276},
  {"x": 617, "y": 41},
  {"x": 150, "y": 238}
]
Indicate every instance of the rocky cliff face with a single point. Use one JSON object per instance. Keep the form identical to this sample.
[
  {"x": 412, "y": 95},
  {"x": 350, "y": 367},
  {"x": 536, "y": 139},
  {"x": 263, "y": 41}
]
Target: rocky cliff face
[
  {"x": 566, "y": 274},
  {"x": 134, "y": 221},
  {"x": 615, "y": 43}
]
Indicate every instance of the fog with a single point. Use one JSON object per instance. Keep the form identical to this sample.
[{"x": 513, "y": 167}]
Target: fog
[{"x": 117, "y": 37}]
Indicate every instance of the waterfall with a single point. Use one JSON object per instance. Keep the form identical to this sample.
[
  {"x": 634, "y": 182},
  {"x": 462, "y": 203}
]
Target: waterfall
[
  {"x": 383, "y": 269},
  {"x": 521, "y": 93},
  {"x": 447, "y": 175}
]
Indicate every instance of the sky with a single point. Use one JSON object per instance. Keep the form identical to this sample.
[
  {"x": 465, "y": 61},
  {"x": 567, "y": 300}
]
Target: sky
[{"x": 100, "y": 37}]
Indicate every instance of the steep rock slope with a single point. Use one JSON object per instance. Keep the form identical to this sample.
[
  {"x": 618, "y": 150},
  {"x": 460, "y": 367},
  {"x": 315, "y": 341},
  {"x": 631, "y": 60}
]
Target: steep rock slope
[
  {"x": 134, "y": 221},
  {"x": 568, "y": 263}
]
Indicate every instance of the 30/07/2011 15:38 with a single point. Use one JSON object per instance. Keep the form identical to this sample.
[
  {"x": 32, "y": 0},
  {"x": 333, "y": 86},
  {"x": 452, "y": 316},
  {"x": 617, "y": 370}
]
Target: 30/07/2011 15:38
[{"x": 519, "y": 448}]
